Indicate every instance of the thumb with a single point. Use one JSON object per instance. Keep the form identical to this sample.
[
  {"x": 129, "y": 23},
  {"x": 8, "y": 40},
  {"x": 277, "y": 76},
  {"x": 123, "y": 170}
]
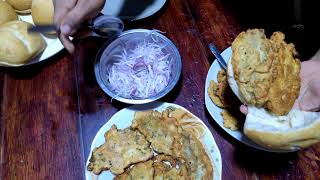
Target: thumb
[
  {"x": 310, "y": 99},
  {"x": 73, "y": 20}
]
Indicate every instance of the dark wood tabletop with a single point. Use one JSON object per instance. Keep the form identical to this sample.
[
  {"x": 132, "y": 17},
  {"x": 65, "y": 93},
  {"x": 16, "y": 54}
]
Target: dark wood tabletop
[{"x": 51, "y": 111}]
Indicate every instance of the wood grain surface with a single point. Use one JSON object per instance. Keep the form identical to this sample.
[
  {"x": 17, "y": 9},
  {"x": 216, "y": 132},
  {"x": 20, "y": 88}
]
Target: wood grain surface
[{"x": 51, "y": 111}]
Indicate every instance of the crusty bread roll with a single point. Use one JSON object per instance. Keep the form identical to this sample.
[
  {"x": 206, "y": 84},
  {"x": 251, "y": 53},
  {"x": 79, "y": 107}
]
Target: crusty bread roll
[
  {"x": 42, "y": 12},
  {"x": 21, "y": 6},
  {"x": 294, "y": 131},
  {"x": 17, "y": 45},
  {"x": 7, "y": 13}
]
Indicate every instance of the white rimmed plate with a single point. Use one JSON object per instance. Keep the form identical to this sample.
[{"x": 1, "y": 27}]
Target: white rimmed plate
[
  {"x": 53, "y": 44},
  {"x": 123, "y": 119},
  {"x": 132, "y": 10},
  {"x": 215, "y": 110}
]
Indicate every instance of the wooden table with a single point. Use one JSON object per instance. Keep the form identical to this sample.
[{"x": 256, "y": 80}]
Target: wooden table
[{"x": 51, "y": 111}]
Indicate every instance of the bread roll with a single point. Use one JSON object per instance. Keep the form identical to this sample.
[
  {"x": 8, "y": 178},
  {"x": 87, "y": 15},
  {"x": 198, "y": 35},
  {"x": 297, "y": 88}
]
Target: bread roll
[
  {"x": 21, "y": 6},
  {"x": 7, "y": 13},
  {"x": 42, "y": 12},
  {"x": 297, "y": 130},
  {"x": 17, "y": 45}
]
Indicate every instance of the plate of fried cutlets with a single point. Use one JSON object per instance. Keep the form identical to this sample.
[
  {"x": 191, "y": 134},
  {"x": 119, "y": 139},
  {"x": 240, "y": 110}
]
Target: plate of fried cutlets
[{"x": 154, "y": 141}]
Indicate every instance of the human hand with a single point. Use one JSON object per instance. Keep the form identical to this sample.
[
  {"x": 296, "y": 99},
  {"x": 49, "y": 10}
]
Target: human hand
[
  {"x": 309, "y": 97},
  {"x": 69, "y": 14}
]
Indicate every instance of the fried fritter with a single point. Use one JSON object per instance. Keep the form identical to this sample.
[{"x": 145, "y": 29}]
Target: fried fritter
[
  {"x": 186, "y": 121},
  {"x": 166, "y": 136},
  {"x": 266, "y": 70},
  {"x": 167, "y": 167},
  {"x": 221, "y": 93},
  {"x": 140, "y": 171},
  {"x": 229, "y": 121},
  {"x": 158, "y": 130},
  {"x": 252, "y": 59},
  {"x": 191, "y": 150},
  {"x": 285, "y": 88},
  {"x": 122, "y": 148},
  {"x": 212, "y": 91},
  {"x": 222, "y": 76},
  {"x": 159, "y": 168}
]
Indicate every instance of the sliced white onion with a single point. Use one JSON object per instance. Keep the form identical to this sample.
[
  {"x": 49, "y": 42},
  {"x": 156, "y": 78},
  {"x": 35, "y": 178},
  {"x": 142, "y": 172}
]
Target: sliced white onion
[{"x": 140, "y": 72}]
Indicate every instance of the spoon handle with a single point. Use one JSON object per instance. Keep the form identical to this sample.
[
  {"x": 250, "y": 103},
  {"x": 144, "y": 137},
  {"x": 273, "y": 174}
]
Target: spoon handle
[{"x": 220, "y": 59}]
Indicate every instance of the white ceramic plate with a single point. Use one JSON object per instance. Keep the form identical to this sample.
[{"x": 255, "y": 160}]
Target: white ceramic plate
[
  {"x": 53, "y": 44},
  {"x": 123, "y": 119},
  {"x": 133, "y": 10},
  {"x": 215, "y": 110}
]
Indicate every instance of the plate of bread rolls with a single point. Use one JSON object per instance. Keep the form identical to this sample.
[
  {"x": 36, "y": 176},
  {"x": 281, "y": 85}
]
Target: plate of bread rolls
[{"x": 18, "y": 47}]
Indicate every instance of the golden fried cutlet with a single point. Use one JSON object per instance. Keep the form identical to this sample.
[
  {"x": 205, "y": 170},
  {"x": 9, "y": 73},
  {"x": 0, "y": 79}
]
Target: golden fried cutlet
[
  {"x": 140, "y": 171},
  {"x": 221, "y": 93},
  {"x": 158, "y": 130},
  {"x": 252, "y": 59},
  {"x": 224, "y": 98},
  {"x": 212, "y": 91},
  {"x": 285, "y": 88},
  {"x": 167, "y": 167},
  {"x": 222, "y": 76},
  {"x": 166, "y": 136},
  {"x": 266, "y": 70},
  {"x": 121, "y": 149},
  {"x": 229, "y": 121},
  {"x": 191, "y": 150},
  {"x": 186, "y": 121}
]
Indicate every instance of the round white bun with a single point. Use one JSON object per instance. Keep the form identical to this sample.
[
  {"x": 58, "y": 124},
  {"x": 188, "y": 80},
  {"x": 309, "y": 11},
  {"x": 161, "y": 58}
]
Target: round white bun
[
  {"x": 297, "y": 130},
  {"x": 21, "y": 6},
  {"x": 42, "y": 12}
]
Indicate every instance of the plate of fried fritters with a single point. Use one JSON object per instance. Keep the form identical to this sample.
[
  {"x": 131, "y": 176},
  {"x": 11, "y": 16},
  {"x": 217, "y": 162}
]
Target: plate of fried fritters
[
  {"x": 223, "y": 105},
  {"x": 154, "y": 141}
]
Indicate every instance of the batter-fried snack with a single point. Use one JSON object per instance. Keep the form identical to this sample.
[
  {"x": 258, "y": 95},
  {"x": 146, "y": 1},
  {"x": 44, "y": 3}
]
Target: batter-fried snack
[
  {"x": 286, "y": 86},
  {"x": 158, "y": 130},
  {"x": 186, "y": 121},
  {"x": 161, "y": 167},
  {"x": 167, "y": 167},
  {"x": 252, "y": 59},
  {"x": 121, "y": 149},
  {"x": 191, "y": 150},
  {"x": 222, "y": 76},
  {"x": 266, "y": 70},
  {"x": 140, "y": 171},
  {"x": 222, "y": 95},
  {"x": 212, "y": 91},
  {"x": 229, "y": 121},
  {"x": 168, "y": 137}
]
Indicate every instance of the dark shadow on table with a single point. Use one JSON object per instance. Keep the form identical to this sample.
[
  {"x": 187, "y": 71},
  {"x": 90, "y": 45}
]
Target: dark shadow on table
[
  {"x": 264, "y": 163},
  {"x": 273, "y": 15},
  {"x": 132, "y": 9},
  {"x": 146, "y": 22}
]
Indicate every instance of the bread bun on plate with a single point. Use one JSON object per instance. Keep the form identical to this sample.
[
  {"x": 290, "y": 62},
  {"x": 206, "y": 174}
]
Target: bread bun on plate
[
  {"x": 42, "y": 12},
  {"x": 21, "y": 6},
  {"x": 265, "y": 86},
  {"x": 17, "y": 45},
  {"x": 7, "y": 13}
]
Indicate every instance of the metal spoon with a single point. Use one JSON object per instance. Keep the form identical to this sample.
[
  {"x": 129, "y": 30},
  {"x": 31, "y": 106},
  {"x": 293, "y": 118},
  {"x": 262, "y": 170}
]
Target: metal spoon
[
  {"x": 102, "y": 26},
  {"x": 220, "y": 59}
]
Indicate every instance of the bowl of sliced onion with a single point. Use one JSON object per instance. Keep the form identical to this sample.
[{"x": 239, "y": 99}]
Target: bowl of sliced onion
[{"x": 138, "y": 67}]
